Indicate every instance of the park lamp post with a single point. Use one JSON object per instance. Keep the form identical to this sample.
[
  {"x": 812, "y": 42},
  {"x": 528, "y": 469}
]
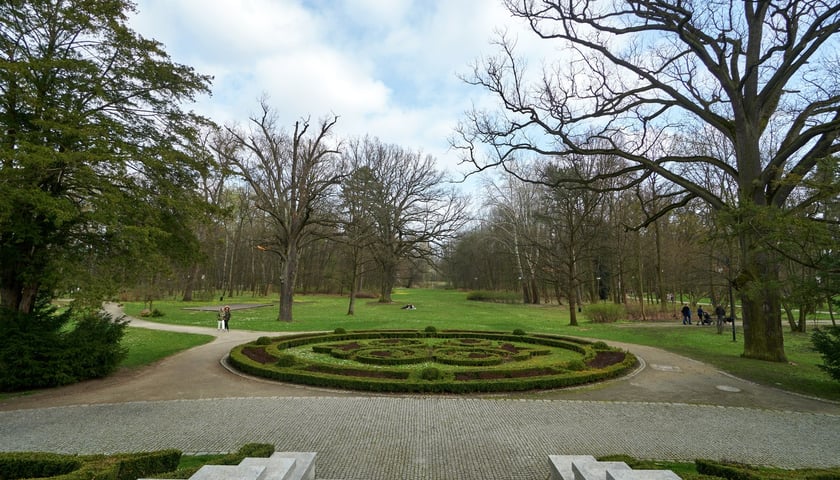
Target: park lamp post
[{"x": 598, "y": 288}]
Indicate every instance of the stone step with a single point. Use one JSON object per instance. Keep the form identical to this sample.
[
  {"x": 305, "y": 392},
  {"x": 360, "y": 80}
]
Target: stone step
[
  {"x": 596, "y": 470},
  {"x": 642, "y": 475},
  {"x": 227, "y": 472},
  {"x": 275, "y": 467},
  {"x": 561, "y": 465},
  {"x": 585, "y": 467},
  {"x": 279, "y": 466}
]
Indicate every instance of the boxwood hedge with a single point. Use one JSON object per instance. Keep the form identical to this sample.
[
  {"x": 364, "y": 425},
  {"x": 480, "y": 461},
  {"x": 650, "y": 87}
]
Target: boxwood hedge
[{"x": 375, "y": 368}]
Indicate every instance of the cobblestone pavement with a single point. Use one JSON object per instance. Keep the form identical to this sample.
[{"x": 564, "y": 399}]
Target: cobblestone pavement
[{"x": 192, "y": 403}]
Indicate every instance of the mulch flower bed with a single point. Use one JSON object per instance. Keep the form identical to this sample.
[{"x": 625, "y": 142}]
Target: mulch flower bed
[{"x": 606, "y": 358}]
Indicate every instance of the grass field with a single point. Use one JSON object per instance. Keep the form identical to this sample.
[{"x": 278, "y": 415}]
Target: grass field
[{"x": 449, "y": 309}]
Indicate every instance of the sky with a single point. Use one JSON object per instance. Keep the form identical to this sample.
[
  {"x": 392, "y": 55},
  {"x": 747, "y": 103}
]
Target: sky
[{"x": 387, "y": 68}]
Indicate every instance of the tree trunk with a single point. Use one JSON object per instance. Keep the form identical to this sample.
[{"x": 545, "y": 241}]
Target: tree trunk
[
  {"x": 287, "y": 284},
  {"x": 389, "y": 277},
  {"x": 535, "y": 293},
  {"x": 789, "y": 314},
  {"x": 573, "y": 306},
  {"x": 760, "y": 305},
  {"x": 18, "y": 297},
  {"x": 660, "y": 285},
  {"x": 189, "y": 287},
  {"x": 354, "y": 287},
  {"x": 640, "y": 285}
]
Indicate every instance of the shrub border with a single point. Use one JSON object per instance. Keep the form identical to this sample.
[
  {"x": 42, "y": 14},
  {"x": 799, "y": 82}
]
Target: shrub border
[{"x": 381, "y": 379}]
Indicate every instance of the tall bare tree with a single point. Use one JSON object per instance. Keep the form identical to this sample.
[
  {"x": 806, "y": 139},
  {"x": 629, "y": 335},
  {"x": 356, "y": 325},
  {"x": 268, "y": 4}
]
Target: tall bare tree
[
  {"x": 293, "y": 177},
  {"x": 574, "y": 217},
  {"x": 514, "y": 208},
  {"x": 643, "y": 73},
  {"x": 408, "y": 203}
]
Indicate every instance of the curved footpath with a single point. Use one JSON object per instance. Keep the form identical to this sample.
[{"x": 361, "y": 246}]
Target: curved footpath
[{"x": 671, "y": 408}]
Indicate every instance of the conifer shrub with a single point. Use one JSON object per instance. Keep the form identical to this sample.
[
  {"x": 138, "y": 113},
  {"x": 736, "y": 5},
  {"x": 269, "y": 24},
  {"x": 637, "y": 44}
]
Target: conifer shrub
[
  {"x": 46, "y": 348},
  {"x": 827, "y": 343}
]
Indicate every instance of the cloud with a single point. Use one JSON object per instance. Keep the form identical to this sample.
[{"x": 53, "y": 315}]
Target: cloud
[{"x": 388, "y": 68}]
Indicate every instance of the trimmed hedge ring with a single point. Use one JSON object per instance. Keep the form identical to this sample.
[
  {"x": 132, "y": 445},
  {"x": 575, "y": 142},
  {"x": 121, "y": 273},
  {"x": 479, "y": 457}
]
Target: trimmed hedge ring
[{"x": 462, "y": 361}]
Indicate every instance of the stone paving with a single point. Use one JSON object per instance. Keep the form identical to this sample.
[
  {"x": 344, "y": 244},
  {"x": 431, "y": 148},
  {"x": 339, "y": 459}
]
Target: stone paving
[
  {"x": 428, "y": 437},
  {"x": 192, "y": 403}
]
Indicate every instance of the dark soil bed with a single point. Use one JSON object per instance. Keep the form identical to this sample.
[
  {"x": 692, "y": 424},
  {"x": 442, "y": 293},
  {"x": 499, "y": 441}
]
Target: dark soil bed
[
  {"x": 491, "y": 375},
  {"x": 605, "y": 359},
  {"x": 357, "y": 372}
]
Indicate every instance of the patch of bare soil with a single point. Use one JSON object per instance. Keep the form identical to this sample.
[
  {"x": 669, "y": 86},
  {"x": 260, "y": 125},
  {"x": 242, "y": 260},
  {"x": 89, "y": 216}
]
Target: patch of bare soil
[
  {"x": 493, "y": 375},
  {"x": 606, "y": 358},
  {"x": 356, "y": 373}
]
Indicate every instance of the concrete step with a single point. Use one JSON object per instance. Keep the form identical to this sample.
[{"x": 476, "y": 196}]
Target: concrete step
[
  {"x": 227, "y": 472},
  {"x": 275, "y": 467},
  {"x": 596, "y": 470},
  {"x": 279, "y": 466},
  {"x": 642, "y": 475},
  {"x": 585, "y": 467}
]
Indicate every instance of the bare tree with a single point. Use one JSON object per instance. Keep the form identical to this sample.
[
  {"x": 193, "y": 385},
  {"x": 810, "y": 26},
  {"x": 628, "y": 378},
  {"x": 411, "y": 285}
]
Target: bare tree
[
  {"x": 406, "y": 200},
  {"x": 575, "y": 218},
  {"x": 293, "y": 176},
  {"x": 644, "y": 73},
  {"x": 514, "y": 209}
]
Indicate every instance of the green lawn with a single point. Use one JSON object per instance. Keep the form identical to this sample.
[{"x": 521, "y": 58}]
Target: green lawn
[
  {"x": 449, "y": 309},
  {"x": 148, "y": 346}
]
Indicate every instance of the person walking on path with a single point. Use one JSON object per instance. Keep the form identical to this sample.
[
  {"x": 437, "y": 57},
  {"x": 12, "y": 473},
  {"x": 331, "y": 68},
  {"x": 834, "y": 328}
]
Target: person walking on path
[
  {"x": 720, "y": 313},
  {"x": 220, "y": 319},
  {"x": 686, "y": 313},
  {"x": 700, "y": 314},
  {"x": 226, "y": 318}
]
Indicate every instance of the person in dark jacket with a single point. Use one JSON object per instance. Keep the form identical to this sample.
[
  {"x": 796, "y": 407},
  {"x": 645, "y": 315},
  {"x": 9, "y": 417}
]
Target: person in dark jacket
[
  {"x": 686, "y": 313},
  {"x": 226, "y": 317}
]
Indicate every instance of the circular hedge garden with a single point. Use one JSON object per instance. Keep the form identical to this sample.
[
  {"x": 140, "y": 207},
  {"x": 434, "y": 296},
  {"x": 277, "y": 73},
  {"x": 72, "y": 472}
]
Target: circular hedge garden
[{"x": 430, "y": 361}]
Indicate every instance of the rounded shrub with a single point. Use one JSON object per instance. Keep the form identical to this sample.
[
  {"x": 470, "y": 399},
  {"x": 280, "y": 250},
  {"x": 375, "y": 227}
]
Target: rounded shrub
[
  {"x": 430, "y": 329},
  {"x": 575, "y": 365},
  {"x": 599, "y": 345},
  {"x": 519, "y": 331},
  {"x": 605, "y": 312},
  {"x": 339, "y": 331},
  {"x": 286, "y": 360},
  {"x": 263, "y": 341},
  {"x": 431, "y": 373}
]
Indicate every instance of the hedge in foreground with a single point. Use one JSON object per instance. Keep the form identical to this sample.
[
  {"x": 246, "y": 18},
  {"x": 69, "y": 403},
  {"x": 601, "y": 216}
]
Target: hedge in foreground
[
  {"x": 125, "y": 466},
  {"x": 121, "y": 466},
  {"x": 467, "y": 375}
]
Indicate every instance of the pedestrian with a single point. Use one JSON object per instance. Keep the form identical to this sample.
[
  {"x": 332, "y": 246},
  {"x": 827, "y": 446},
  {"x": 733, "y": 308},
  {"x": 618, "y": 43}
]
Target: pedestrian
[
  {"x": 700, "y": 314},
  {"x": 686, "y": 313},
  {"x": 226, "y": 317},
  {"x": 720, "y": 313},
  {"x": 220, "y": 319}
]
